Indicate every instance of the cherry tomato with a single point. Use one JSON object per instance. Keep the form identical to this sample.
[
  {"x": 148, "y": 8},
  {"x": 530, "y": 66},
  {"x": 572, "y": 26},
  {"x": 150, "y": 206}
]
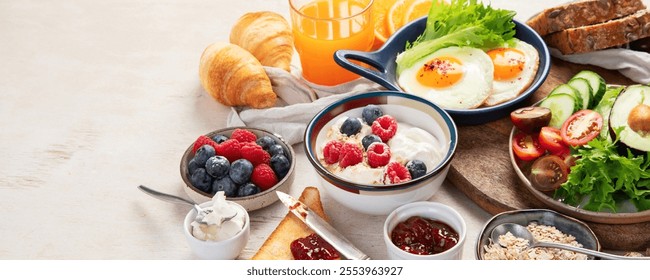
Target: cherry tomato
[
  {"x": 548, "y": 173},
  {"x": 581, "y": 127},
  {"x": 551, "y": 140},
  {"x": 530, "y": 119},
  {"x": 526, "y": 146}
]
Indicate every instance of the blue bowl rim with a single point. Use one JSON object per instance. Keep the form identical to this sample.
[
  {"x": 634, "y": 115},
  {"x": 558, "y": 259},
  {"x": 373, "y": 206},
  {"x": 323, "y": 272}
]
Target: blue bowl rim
[{"x": 338, "y": 182}]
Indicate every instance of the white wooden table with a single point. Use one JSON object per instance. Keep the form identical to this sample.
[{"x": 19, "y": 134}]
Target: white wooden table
[{"x": 99, "y": 97}]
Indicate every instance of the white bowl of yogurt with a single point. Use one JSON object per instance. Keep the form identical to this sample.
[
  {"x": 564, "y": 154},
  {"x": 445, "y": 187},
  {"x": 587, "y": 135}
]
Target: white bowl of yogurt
[
  {"x": 218, "y": 240},
  {"x": 424, "y": 132}
]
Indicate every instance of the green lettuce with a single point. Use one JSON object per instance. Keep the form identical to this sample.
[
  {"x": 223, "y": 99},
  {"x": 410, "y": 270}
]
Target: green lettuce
[
  {"x": 459, "y": 23},
  {"x": 607, "y": 177}
]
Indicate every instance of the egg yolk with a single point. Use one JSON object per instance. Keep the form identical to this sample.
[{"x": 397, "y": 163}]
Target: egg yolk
[
  {"x": 508, "y": 63},
  {"x": 440, "y": 72}
]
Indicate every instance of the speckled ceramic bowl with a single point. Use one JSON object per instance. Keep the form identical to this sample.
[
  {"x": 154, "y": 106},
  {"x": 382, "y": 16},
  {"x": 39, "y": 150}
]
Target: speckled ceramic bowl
[
  {"x": 384, "y": 72},
  {"x": 252, "y": 202},
  {"x": 405, "y": 108},
  {"x": 581, "y": 231}
]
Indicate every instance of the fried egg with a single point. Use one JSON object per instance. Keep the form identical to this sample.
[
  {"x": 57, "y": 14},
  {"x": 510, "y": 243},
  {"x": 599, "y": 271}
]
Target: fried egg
[
  {"x": 515, "y": 66},
  {"x": 453, "y": 77}
]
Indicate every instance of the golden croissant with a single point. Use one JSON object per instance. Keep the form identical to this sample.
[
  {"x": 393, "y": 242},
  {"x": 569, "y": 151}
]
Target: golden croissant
[
  {"x": 267, "y": 35},
  {"x": 234, "y": 77}
]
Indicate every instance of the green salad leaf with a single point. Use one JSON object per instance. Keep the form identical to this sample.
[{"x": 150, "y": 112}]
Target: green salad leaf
[
  {"x": 607, "y": 177},
  {"x": 459, "y": 23}
]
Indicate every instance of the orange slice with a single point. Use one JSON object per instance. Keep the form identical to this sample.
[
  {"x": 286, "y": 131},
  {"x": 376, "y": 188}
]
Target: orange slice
[
  {"x": 379, "y": 11},
  {"x": 417, "y": 9},
  {"x": 395, "y": 17}
]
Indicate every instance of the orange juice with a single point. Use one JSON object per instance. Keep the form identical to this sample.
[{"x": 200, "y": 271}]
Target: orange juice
[{"x": 321, "y": 27}]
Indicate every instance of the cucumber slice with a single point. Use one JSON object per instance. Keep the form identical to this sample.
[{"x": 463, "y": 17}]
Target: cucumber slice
[
  {"x": 562, "y": 107},
  {"x": 596, "y": 82},
  {"x": 567, "y": 89},
  {"x": 604, "y": 107},
  {"x": 584, "y": 89}
]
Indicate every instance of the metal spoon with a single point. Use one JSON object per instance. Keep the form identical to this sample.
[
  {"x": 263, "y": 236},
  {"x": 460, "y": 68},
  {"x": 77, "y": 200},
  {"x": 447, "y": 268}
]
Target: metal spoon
[
  {"x": 201, "y": 213},
  {"x": 523, "y": 233}
]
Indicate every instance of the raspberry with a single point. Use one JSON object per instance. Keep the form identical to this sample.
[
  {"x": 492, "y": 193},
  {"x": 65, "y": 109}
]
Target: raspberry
[
  {"x": 203, "y": 140},
  {"x": 332, "y": 151},
  {"x": 255, "y": 154},
  {"x": 351, "y": 154},
  {"x": 230, "y": 149},
  {"x": 385, "y": 127},
  {"x": 264, "y": 177},
  {"x": 396, "y": 173},
  {"x": 378, "y": 154},
  {"x": 243, "y": 135}
]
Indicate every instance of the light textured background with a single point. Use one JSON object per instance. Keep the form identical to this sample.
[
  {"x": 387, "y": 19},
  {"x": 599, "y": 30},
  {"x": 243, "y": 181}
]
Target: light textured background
[{"x": 97, "y": 97}]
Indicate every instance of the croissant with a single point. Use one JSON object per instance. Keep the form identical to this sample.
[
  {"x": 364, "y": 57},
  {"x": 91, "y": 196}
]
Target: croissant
[
  {"x": 234, "y": 77},
  {"x": 267, "y": 35}
]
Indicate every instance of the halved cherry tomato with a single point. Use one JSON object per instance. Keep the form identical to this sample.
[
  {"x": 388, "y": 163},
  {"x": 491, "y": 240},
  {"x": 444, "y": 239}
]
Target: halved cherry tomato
[
  {"x": 581, "y": 127},
  {"x": 530, "y": 119},
  {"x": 551, "y": 140},
  {"x": 526, "y": 146},
  {"x": 548, "y": 173}
]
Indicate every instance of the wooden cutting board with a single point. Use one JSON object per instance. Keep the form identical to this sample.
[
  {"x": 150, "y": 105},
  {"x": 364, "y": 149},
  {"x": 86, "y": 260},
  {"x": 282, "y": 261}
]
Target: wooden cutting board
[{"x": 482, "y": 170}]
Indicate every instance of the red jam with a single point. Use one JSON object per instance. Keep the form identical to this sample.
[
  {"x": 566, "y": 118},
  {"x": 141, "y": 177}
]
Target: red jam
[
  {"x": 313, "y": 247},
  {"x": 423, "y": 236}
]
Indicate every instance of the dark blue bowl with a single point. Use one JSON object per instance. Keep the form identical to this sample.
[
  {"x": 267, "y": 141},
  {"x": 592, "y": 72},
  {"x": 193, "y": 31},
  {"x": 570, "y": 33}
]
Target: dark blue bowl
[{"x": 383, "y": 60}]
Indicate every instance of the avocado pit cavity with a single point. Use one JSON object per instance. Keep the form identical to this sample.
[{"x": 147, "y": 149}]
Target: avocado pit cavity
[{"x": 639, "y": 119}]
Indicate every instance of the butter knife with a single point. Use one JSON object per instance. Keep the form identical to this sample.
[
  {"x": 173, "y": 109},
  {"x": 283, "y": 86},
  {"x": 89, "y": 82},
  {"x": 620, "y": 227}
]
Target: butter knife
[{"x": 322, "y": 228}]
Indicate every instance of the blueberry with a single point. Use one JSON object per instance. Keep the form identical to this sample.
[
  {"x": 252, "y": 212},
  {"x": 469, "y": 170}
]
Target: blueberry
[
  {"x": 217, "y": 166},
  {"x": 192, "y": 166},
  {"x": 417, "y": 168},
  {"x": 371, "y": 113},
  {"x": 203, "y": 153},
  {"x": 201, "y": 180},
  {"x": 351, "y": 126},
  {"x": 265, "y": 142},
  {"x": 240, "y": 171},
  {"x": 226, "y": 185},
  {"x": 369, "y": 139},
  {"x": 219, "y": 138},
  {"x": 280, "y": 164},
  {"x": 248, "y": 189},
  {"x": 276, "y": 150}
]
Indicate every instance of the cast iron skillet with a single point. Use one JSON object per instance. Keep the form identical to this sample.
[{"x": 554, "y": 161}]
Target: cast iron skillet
[{"x": 383, "y": 60}]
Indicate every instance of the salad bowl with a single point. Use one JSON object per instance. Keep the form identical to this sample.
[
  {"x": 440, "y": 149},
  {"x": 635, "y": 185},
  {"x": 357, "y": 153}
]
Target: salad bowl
[
  {"x": 625, "y": 214},
  {"x": 384, "y": 73}
]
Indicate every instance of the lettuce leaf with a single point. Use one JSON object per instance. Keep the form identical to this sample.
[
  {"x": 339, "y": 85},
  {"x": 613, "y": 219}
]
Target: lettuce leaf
[
  {"x": 459, "y": 23},
  {"x": 606, "y": 178}
]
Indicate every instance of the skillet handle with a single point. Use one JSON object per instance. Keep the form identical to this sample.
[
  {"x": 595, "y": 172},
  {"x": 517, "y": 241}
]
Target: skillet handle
[{"x": 345, "y": 58}]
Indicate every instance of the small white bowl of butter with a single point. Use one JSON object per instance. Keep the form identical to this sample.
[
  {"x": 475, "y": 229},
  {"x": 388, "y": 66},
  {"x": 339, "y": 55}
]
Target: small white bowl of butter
[{"x": 215, "y": 240}]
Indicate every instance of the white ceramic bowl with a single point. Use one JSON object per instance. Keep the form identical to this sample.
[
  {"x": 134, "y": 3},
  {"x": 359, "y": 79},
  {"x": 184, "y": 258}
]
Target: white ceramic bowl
[
  {"x": 405, "y": 108},
  {"x": 251, "y": 202},
  {"x": 227, "y": 249},
  {"x": 427, "y": 209}
]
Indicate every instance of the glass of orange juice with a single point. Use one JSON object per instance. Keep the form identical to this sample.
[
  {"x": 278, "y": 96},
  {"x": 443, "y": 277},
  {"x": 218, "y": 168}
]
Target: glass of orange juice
[{"x": 321, "y": 27}]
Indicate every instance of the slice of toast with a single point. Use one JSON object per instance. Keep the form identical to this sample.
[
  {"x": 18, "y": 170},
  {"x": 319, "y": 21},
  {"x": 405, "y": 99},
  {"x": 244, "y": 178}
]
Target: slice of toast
[{"x": 276, "y": 246}]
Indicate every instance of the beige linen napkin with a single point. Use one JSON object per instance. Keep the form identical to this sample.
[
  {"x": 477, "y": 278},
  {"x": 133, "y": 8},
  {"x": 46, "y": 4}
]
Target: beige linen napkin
[
  {"x": 297, "y": 104},
  {"x": 632, "y": 64}
]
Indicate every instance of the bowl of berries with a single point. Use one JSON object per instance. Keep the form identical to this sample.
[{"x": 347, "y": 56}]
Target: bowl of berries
[
  {"x": 379, "y": 150},
  {"x": 247, "y": 164}
]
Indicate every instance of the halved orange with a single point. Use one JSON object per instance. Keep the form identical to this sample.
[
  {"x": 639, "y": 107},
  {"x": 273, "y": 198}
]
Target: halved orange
[
  {"x": 379, "y": 11},
  {"x": 417, "y": 9},
  {"x": 395, "y": 17}
]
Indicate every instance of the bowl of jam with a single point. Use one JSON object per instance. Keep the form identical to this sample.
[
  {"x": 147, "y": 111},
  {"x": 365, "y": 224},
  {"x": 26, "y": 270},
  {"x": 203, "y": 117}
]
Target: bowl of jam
[{"x": 424, "y": 231}]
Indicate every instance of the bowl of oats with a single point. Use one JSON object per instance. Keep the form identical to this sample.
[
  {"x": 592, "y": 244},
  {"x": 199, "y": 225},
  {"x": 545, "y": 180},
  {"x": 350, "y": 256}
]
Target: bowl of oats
[{"x": 544, "y": 225}]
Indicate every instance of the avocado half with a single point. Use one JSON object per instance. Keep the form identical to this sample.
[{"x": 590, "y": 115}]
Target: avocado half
[{"x": 630, "y": 116}]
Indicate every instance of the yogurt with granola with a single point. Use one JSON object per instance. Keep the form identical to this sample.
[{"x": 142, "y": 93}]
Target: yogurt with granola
[{"x": 374, "y": 149}]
